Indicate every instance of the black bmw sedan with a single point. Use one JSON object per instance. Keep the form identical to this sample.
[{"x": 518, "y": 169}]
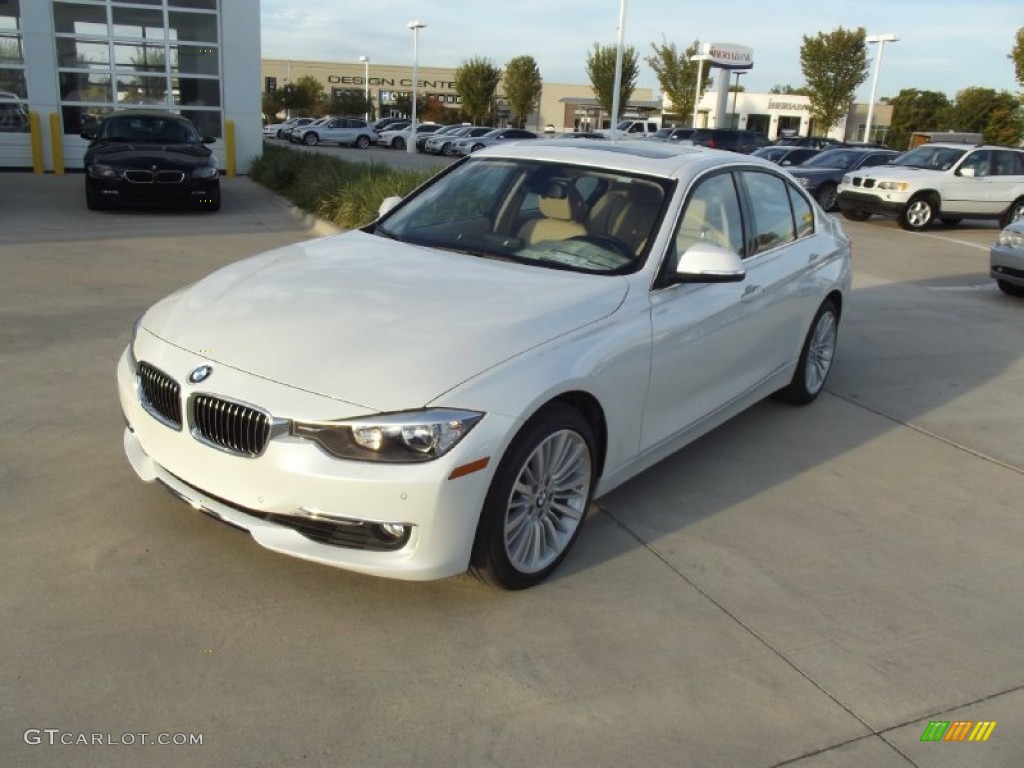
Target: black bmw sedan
[{"x": 150, "y": 158}]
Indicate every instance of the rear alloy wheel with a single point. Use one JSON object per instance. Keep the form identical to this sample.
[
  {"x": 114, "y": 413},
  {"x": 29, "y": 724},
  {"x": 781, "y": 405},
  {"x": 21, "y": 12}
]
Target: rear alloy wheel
[
  {"x": 310, "y": 139},
  {"x": 826, "y": 196},
  {"x": 398, "y": 143},
  {"x": 362, "y": 142},
  {"x": 537, "y": 501},
  {"x": 857, "y": 215},
  {"x": 918, "y": 214},
  {"x": 815, "y": 359}
]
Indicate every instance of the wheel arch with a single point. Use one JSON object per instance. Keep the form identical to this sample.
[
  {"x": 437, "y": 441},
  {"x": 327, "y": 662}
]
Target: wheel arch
[{"x": 590, "y": 408}]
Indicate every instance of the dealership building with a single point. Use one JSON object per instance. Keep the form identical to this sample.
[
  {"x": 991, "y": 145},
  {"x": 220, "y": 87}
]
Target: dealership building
[{"x": 66, "y": 64}]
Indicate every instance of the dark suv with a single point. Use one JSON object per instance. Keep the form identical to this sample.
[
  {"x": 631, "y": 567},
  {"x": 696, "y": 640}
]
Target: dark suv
[{"x": 732, "y": 139}]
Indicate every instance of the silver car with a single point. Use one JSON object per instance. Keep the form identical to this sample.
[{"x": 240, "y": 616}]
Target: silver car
[
  {"x": 343, "y": 131},
  {"x": 1006, "y": 259}
]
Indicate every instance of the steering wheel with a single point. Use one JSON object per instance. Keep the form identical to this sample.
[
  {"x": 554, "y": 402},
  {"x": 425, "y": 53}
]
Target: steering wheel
[{"x": 609, "y": 243}]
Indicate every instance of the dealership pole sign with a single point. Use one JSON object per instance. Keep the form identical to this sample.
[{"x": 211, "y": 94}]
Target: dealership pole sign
[{"x": 730, "y": 56}]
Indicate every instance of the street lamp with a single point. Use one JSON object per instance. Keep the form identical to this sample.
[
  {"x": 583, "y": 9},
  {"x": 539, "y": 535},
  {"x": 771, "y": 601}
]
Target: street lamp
[
  {"x": 415, "y": 26},
  {"x": 700, "y": 58},
  {"x": 618, "y": 71},
  {"x": 739, "y": 73},
  {"x": 366, "y": 86},
  {"x": 888, "y": 37}
]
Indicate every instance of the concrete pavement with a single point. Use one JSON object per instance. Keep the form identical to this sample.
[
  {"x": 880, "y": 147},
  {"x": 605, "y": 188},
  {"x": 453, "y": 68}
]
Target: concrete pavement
[{"x": 805, "y": 587}]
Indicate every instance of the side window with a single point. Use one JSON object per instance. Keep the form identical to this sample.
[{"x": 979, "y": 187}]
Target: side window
[
  {"x": 712, "y": 215},
  {"x": 978, "y": 162},
  {"x": 802, "y": 213},
  {"x": 772, "y": 213},
  {"x": 1005, "y": 163},
  {"x": 873, "y": 160}
]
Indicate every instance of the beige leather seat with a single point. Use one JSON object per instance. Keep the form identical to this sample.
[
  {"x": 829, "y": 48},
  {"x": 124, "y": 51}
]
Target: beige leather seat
[
  {"x": 557, "y": 218},
  {"x": 626, "y": 214}
]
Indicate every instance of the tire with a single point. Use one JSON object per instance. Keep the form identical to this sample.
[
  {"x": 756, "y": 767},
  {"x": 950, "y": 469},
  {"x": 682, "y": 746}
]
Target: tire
[
  {"x": 918, "y": 214},
  {"x": 1010, "y": 289},
  {"x": 362, "y": 142},
  {"x": 280, "y": 135},
  {"x": 1014, "y": 213},
  {"x": 816, "y": 357},
  {"x": 857, "y": 215},
  {"x": 310, "y": 139},
  {"x": 93, "y": 198},
  {"x": 398, "y": 143},
  {"x": 447, "y": 150},
  {"x": 477, "y": 147},
  {"x": 538, "y": 499},
  {"x": 950, "y": 221},
  {"x": 826, "y": 196}
]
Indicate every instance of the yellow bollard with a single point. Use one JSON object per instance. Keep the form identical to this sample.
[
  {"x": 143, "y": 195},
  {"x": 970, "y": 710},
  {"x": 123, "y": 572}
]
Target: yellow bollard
[
  {"x": 229, "y": 142},
  {"x": 37, "y": 142},
  {"x": 56, "y": 143}
]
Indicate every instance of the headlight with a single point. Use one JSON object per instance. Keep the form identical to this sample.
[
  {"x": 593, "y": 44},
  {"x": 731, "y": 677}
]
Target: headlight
[
  {"x": 1011, "y": 237},
  {"x": 101, "y": 171},
  {"x": 393, "y": 437},
  {"x": 205, "y": 172},
  {"x": 893, "y": 186}
]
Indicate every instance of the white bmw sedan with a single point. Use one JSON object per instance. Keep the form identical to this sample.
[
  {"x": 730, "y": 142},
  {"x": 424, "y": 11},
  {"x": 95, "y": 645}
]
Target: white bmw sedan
[{"x": 448, "y": 387}]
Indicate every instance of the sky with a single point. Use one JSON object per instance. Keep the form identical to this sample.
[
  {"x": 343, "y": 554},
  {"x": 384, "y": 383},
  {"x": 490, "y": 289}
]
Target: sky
[{"x": 944, "y": 45}]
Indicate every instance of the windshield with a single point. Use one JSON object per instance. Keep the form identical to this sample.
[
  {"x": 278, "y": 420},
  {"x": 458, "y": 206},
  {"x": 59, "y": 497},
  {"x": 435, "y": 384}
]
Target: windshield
[
  {"x": 161, "y": 129},
  {"x": 551, "y": 215},
  {"x": 933, "y": 158},
  {"x": 834, "y": 158}
]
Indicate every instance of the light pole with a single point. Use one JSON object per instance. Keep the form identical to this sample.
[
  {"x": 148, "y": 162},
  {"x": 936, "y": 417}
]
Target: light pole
[
  {"x": 618, "y": 71},
  {"x": 739, "y": 73},
  {"x": 415, "y": 26},
  {"x": 888, "y": 37},
  {"x": 700, "y": 58},
  {"x": 366, "y": 85}
]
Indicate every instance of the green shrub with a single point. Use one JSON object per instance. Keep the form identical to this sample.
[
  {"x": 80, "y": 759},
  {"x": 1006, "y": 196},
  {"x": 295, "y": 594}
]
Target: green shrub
[{"x": 348, "y": 194}]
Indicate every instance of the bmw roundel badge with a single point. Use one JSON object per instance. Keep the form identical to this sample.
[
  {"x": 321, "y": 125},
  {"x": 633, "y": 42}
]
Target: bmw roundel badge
[{"x": 202, "y": 373}]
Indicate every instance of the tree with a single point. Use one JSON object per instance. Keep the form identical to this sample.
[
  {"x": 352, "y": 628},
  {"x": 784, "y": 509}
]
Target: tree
[
  {"x": 272, "y": 103},
  {"x": 995, "y": 115},
  {"x": 431, "y": 109},
  {"x": 523, "y": 87},
  {"x": 789, "y": 90},
  {"x": 303, "y": 96},
  {"x": 476, "y": 81},
  {"x": 1017, "y": 56},
  {"x": 346, "y": 102},
  {"x": 601, "y": 71},
  {"x": 834, "y": 65},
  {"x": 677, "y": 75},
  {"x": 914, "y": 110}
]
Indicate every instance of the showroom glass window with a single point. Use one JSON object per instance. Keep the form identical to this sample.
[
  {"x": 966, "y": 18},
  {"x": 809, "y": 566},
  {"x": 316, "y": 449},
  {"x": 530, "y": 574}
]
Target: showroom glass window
[
  {"x": 13, "y": 105},
  {"x": 125, "y": 54}
]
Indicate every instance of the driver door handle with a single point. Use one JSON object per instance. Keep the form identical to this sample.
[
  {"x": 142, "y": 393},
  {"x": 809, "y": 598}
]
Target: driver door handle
[{"x": 752, "y": 293}]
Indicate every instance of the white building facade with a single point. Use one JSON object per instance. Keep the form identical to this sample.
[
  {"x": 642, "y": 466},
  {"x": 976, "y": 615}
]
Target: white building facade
[{"x": 66, "y": 64}]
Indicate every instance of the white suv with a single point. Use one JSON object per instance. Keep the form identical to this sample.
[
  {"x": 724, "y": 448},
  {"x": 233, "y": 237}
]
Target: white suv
[{"x": 949, "y": 182}]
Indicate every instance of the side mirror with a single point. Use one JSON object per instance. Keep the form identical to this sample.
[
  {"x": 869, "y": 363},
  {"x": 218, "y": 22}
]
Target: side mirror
[
  {"x": 209, "y": 140},
  {"x": 707, "y": 263},
  {"x": 966, "y": 172},
  {"x": 387, "y": 205},
  {"x": 90, "y": 135}
]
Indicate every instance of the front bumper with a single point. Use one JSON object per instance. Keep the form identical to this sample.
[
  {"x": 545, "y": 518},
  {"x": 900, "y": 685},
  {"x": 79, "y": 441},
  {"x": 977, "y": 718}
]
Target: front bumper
[
  {"x": 293, "y": 479},
  {"x": 1007, "y": 264},
  {"x": 860, "y": 201},
  {"x": 126, "y": 192}
]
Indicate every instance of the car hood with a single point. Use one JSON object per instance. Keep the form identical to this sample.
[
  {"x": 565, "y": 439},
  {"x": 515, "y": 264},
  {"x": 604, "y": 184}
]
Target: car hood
[
  {"x": 143, "y": 155},
  {"x": 890, "y": 171},
  {"x": 813, "y": 173},
  {"x": 377, "y": 323}
]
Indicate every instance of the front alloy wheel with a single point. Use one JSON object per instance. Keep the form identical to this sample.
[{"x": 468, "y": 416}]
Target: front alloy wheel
[
  {"x": 918, "y": 214},
  {"x": 537, "y": 501},
  {"x": 311, "y": 139}
]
